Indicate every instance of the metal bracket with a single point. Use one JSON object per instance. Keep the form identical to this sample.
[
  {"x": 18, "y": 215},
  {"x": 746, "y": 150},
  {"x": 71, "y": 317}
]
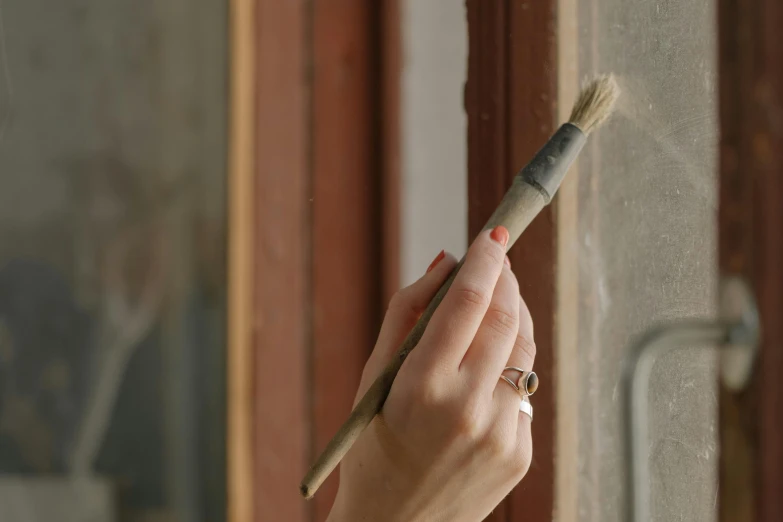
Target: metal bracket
[{"x": 735, "y": 333}]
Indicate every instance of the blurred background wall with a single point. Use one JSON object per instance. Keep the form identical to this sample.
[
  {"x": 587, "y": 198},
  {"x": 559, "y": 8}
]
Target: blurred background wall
[{"x": 434, "y": 133}]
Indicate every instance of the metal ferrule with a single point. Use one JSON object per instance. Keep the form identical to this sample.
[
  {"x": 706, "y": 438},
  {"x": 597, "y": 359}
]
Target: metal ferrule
[{"x": 550, "y": 165}]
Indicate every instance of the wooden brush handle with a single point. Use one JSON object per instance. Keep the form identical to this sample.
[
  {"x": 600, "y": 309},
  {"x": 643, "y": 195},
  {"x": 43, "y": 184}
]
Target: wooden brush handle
[{"x": 519, "y": 206}]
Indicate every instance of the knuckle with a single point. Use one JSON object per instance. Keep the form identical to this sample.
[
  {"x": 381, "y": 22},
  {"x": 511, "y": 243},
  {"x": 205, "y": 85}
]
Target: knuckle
[
  {"x": 428, "y": 394},
  {"x": 467, "y": 422},
  {"x": 502, "y": 321},
  {"x": 526, "y": 346},
  {"x": 438, "y": 370},
  {"x": 403, "y": 304},
  {"x": 473, "y": 295},
  {"x": 494, "y": 252},
  {"x": 499, "y": 445}
]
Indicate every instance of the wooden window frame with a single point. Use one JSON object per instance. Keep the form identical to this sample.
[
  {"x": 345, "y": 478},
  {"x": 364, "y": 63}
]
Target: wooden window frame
[
  {"x": 313, "y": 234},
  {"x": 750, "y": 224}
]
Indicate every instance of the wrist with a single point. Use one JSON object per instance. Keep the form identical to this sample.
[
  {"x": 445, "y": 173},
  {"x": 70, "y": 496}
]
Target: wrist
[
  {"x": 369, "y": 508},
  {"x": 356, "y": 510}
]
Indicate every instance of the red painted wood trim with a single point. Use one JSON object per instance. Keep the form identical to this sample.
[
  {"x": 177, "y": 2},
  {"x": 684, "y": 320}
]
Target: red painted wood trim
[
  {"x": 281, "y": 287},
  {"x": 347, "y": 236},
  {"x": 326, "y": 242},
  {"x": 510, "y": 100},
  {"x": 750, "y": 224},
  {"x": 532, "y": 95}
]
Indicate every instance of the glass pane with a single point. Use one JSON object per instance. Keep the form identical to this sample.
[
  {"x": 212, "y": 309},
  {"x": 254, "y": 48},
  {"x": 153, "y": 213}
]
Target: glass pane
[
  {"x": 112, "y": 272},
  {"x": 647, "y": 249}
]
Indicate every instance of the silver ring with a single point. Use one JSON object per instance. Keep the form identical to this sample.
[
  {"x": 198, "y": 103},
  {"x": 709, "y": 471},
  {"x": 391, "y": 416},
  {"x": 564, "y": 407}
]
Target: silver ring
[
  {"x": 526, "y": 407},
  {"x": 512, "y": 383},
  {"x": 527, "y": 384},
  {"x": 524, "y": 402}
]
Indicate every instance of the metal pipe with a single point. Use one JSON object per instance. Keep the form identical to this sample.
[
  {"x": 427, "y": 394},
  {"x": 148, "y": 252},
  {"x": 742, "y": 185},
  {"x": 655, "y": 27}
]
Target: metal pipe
[{"x": 635, "y": 382}]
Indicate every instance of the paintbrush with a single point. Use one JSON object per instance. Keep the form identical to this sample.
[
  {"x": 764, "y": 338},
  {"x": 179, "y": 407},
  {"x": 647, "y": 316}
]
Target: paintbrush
[{"x": 531, "y": 190}]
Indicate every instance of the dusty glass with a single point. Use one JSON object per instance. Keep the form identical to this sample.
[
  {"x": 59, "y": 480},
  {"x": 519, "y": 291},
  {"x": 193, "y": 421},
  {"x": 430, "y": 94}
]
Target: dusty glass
[{"x": 112, "y": 271}]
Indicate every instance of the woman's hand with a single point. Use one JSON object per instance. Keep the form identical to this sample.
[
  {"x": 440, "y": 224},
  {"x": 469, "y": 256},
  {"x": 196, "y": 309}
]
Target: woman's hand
[{"x": 450, "y": 443}]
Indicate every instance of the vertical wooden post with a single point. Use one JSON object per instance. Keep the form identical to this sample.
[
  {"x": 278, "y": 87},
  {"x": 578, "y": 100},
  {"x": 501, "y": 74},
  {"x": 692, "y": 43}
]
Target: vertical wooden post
[
  {"x": 313, "y": 234},
  {"x": 347, "y": 227},
  {"x": 281, "y": 266},
  {"x": 750, "y": 224},
  {"x": 511, "y": 103},
  {"x": 239, "y": 477}
]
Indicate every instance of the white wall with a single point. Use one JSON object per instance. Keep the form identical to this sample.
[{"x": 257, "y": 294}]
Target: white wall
[{"x": 434, "y": 133}]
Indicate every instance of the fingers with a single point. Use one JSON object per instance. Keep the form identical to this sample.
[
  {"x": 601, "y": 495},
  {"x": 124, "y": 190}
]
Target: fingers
[
  {"x": 522, "y": 355},
  {"x": 491, "y": 348},
  {"x": 514, "y": 428},
  {"x": 507, "y": 398},
  {"x": 523, "y": 455},
  {"x": 456, "y": 321},
  {"x": 404, "y": 310}
]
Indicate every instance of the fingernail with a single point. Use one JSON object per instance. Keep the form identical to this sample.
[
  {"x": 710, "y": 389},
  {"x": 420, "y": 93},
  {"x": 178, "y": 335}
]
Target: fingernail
[
  {"x": 437, "y": 260},
  {"x": 500, "y": 234},
  {"x": 507, "y": 261}
]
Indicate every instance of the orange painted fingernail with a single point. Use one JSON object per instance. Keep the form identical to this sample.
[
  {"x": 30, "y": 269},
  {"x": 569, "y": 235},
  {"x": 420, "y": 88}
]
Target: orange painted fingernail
[
  {"x": 500, "y": 234},
  {"x": 437, "y": 260},
  {"x": 507, "y": 261}
]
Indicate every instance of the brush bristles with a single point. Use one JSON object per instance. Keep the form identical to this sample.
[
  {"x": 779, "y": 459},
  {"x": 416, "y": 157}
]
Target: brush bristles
[{"x": 595, "y": 103}]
